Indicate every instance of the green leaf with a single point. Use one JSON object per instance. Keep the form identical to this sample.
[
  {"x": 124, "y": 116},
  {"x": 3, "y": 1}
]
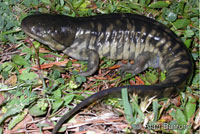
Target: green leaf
[
  {"x": 142, "y": 2},
  {"x": 159, "y": 4},
  {"x": 35, "y": 2},
  {"x": 11, "y": 38},
  {"x": 190, "y": 107},
  {"x": 3, "y": 38},
  {"x": 76, "y": 4},
  {"x": 11, "y": 111},
  {"x": 188, "y": 42},
  {"x": 16, "y": 120},
  {"x": 147, "y": 2},
  {"x": 127, "y": 107},
  {"x": 20, "y": 60},
  {"x": 57, "y": 93},
  {"x": 58, "y": 102},
  {"x": 180, "y": 117},
  {"x": 134, "y": 6},
  {"x": 137, "y": 110},
  {"x": 46, "y": 2},
  {"x": 27, "y": 50},
  {"x": 171, "y": 16},
  {"x": 80, "y": 79},
  {"x": 7, "y": 66},
  {"x": 69, "y": 64},
  {"x": 195, "y": 21},
  {"x": 62, "y": 2},
  {"x": 1, "y": 68},
  {"x": 196, "y": 79},
  {"x": 195, "y": 56},
  {"x": 189, "y": 33},
  {"x": 195, "y": 10},
  {"x": 181, "y": 23},
  {"x": 162, "y": 76},
  {"x": 32, "y": 75},
  {"x": 38, "y": 109},
  {"x": 68, "y": 99},
  {"x": 155, "y": 109},
  {"x": 83, "y": 78},
  {"x": 27, "y": 2},
  {"x": 56, "y": 74},
  {"x": 1, "y": 130},
  {"x": 173, "y": 114},
  {"x": 145, "y": 80},
  {"x": 36, "y": 44},
  {"x": 26, "y": 75},
  {"x": 151, "y": 77},
  {"x": 72, "y": 84},
  {"x": 5, "y": 75}
]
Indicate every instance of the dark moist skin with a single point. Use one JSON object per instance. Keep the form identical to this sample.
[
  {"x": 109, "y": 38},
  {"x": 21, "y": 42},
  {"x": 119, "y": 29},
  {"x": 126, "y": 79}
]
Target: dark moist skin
[{"x": 115, "y": 36}]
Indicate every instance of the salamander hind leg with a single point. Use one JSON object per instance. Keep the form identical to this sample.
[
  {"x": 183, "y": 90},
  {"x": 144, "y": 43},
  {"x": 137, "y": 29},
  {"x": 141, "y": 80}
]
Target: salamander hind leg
[
  {"x": 89, "y": 55},
  {"x": 141, "y": 63}
]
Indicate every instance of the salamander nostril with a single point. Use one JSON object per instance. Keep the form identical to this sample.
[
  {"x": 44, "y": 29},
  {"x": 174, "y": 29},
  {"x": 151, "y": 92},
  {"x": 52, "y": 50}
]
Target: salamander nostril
[{"x": 23, "y": 24}]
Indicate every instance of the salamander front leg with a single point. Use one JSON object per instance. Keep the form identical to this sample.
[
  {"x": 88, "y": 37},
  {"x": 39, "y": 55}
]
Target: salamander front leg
[
  {"x": 93, "y": 63},
  {"x": 89, "y": 55}
]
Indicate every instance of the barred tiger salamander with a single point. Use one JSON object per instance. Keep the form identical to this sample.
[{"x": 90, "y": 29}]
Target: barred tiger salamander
[{"x": 115, "y": 36}]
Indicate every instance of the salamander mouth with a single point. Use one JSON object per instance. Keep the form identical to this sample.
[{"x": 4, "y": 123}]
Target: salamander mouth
[
  {"x": 44, "y": 39},
  {"x": 36, "y": 37}
]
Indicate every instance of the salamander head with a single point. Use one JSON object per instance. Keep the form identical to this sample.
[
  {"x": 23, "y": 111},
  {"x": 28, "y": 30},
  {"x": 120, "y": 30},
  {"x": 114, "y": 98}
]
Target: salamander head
[{"x": 56, "y": 31}]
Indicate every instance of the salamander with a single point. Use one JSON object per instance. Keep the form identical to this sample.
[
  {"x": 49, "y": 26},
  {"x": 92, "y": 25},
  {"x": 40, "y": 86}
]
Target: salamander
[{"x": 116, "y": 36}]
